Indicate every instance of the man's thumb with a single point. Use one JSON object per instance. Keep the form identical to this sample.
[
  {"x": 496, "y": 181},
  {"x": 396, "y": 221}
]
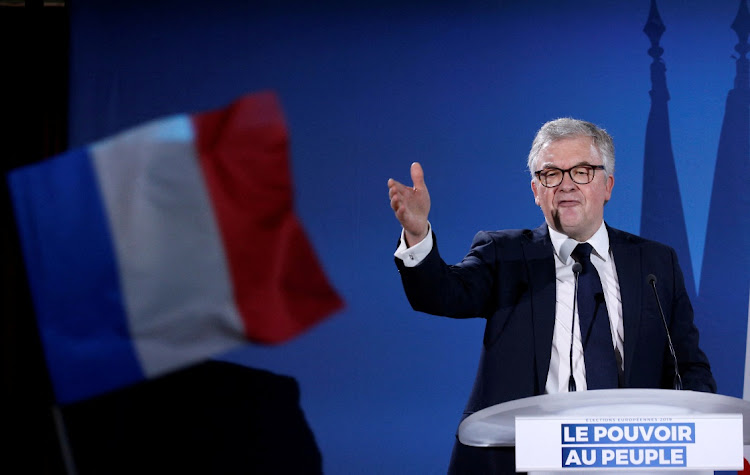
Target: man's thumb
[{"x": 417, "y": 176}]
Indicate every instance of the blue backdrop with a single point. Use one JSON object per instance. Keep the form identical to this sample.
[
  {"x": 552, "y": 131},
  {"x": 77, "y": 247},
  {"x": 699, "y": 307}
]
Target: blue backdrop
[{"x": 460, "y": 87}]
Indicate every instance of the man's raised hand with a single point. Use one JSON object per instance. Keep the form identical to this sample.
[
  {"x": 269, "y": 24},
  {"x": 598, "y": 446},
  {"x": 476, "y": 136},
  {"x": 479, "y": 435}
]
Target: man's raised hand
[{"x": 411, "y": 204}]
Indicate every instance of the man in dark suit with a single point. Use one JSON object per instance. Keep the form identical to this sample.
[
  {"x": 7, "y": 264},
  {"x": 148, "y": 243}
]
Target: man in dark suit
[{"x": 523, "y": 283}]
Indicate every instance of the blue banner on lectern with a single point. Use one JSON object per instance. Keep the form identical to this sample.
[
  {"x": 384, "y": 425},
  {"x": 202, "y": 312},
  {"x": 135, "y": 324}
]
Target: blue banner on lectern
[{"x": 700, "y": 442}]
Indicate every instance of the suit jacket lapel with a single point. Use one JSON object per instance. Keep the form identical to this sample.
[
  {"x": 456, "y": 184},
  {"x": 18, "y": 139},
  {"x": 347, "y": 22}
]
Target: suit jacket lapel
[
  {"x": 540, "y": 261},
  {"x": 629, "y": 275}
]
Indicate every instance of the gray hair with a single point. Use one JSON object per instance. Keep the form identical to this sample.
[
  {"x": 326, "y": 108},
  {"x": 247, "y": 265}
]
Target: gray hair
[{"x": 570, "y": 128}]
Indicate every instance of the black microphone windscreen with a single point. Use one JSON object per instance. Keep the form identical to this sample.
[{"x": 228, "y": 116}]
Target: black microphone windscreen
[
  {"x": 577, "y": 268},
  {"x": 651, "y": 279}
]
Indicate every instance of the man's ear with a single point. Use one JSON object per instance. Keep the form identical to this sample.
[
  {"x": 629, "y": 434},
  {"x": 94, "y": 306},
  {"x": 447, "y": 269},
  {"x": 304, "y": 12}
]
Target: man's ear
[
  {"x": 609, "y": 185},
  {"x": 533, "y": 189}
]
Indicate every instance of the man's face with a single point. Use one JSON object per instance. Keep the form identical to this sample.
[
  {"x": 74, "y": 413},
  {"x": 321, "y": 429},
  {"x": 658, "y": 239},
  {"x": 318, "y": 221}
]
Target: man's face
[{"x": 573, "y": 209}]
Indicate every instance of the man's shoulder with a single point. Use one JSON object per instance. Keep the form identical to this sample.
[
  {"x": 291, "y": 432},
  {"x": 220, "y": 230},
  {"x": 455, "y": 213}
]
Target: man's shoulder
[
  {"x": 513, "y": 235},
  {"x": 619, "y": 237},
  {"x": 513, "y": 241}
]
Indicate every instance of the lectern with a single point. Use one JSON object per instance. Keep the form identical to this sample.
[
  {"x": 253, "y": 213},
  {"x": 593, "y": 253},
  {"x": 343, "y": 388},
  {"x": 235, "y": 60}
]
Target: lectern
[{"x": 616, "y": 431}]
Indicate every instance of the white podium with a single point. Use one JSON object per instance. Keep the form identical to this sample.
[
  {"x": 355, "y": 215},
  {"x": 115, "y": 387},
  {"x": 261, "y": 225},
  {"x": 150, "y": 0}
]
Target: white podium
[{"x": 616, "y": 431}]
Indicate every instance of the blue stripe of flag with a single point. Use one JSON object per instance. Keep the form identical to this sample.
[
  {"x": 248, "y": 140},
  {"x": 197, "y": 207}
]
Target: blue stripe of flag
[{"x": 73, "y": 276}]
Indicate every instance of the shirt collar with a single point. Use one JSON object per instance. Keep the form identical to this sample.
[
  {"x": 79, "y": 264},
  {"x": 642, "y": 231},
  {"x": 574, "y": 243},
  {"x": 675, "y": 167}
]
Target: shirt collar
[{"x": 565, "y": 245}]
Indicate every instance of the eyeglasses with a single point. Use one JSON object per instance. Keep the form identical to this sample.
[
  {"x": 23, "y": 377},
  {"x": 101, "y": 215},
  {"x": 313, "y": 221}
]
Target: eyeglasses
[{"x": 580, "y": 174}]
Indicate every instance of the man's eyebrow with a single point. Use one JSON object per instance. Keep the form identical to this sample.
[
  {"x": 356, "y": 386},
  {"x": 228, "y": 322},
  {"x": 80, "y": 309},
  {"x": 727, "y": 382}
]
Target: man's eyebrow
[{"x": 550, "y": 165}]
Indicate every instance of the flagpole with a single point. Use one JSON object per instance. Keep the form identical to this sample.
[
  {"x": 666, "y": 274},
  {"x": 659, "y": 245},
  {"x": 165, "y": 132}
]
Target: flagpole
[{"x": 62, "y": 437}]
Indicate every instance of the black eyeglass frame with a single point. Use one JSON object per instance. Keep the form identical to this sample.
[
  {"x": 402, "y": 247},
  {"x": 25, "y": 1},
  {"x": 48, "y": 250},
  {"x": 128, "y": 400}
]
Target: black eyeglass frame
[{"x": 569, "y": 171}]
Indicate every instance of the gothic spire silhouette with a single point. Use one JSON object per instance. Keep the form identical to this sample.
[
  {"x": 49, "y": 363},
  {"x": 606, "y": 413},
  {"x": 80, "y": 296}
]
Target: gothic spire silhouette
[
  {"x": 725, "y": 276},
  {"x": 662, "y": 216},
  {"x": 741, "y": 26}
]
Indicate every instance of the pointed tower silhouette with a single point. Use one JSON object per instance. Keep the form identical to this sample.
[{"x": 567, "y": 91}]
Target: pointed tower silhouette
[
  {"x": 725, "y": 278},
  {"x": 662, "y": 216}
]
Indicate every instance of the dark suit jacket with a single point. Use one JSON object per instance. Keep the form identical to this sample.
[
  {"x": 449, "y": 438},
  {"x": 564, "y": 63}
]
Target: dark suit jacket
[{"x": 508, "y": 278}]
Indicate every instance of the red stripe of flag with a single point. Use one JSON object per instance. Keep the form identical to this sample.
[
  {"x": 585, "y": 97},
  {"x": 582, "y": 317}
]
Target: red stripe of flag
[{"x": 279, "y": 285}]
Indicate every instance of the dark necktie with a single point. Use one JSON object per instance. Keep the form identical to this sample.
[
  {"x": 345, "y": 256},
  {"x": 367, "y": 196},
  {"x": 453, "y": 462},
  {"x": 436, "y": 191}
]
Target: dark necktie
[{"x": 598, "y": 352}]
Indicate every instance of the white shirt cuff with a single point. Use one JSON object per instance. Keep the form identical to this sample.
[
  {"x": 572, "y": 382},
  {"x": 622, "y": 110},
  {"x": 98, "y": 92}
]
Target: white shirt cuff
[{"x": 412, "y": 256}]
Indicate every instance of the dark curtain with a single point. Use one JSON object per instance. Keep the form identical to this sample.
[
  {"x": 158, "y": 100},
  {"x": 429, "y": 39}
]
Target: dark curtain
[{"x": 33, "y": 94}]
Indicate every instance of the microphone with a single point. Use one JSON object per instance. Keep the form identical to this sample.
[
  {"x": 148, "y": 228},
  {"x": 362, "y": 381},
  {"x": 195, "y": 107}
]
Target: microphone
[
  {"x": 677, "y": 379},
  {"x": 576, "y": 271}
]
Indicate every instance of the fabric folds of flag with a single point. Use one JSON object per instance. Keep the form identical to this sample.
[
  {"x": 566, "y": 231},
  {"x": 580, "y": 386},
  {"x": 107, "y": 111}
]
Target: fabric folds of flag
[{"x": 167, "y": 244}]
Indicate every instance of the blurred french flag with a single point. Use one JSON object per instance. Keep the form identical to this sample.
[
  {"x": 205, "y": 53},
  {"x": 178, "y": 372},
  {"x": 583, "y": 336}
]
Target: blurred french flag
[{"x": 165, "y": 245}]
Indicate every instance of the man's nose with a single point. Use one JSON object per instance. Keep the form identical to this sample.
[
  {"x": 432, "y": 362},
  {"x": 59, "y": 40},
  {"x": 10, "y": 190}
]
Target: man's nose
[{"x": 567, "y": 182}]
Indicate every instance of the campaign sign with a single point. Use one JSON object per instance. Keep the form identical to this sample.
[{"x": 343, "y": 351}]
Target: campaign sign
[{"x": 699, "y": 442}]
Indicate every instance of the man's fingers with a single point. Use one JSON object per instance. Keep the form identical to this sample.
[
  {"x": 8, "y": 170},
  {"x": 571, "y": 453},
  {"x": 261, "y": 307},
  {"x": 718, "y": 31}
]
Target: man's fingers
[
  {"x": 395, "y": 188},
  {"x": 395, "y": 192},
  {"x": 395, "y": 203}
]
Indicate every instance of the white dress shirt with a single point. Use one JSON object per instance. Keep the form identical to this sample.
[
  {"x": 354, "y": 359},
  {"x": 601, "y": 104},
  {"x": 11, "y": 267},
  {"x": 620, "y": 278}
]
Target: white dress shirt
[{"x": 601, "y": 258}]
